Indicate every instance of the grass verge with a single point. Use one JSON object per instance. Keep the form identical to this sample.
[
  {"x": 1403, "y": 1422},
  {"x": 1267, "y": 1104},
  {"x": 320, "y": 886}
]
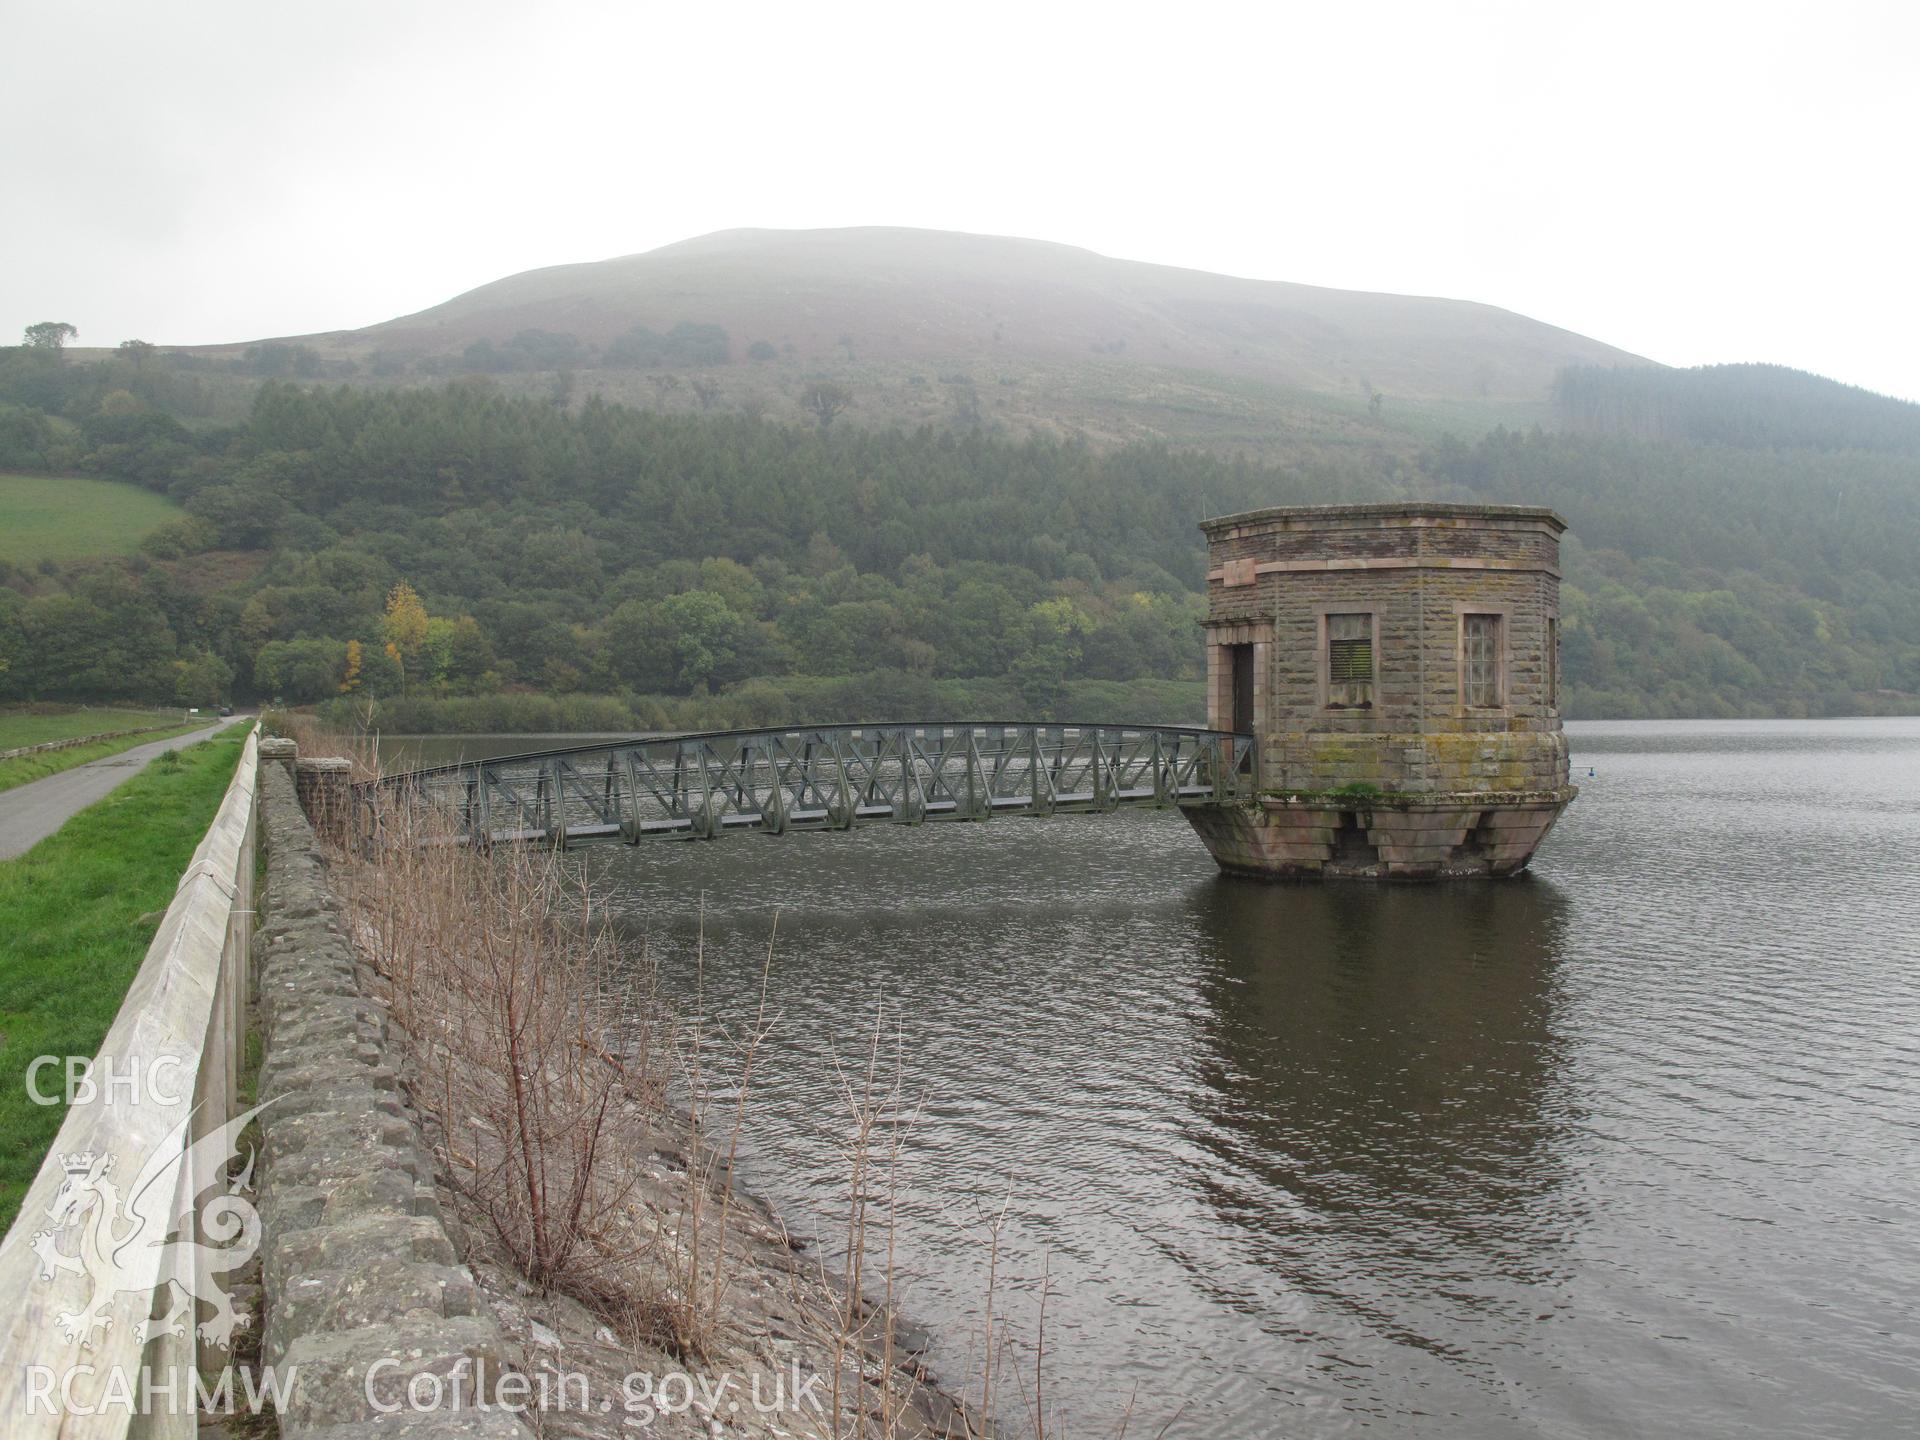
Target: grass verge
[
  {"x": 77, "y": 913},
  {"x": 25, "y": 769}
]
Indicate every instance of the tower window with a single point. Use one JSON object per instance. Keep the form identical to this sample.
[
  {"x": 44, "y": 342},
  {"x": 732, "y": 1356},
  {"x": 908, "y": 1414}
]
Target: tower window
[
  {"x": 1480, "y": 661},
  {"x": 1349, "y": 661}
]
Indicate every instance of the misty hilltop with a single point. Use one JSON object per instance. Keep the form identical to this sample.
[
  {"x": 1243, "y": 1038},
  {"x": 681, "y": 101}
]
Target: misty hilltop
[
  {"x": 900, "y": 294},
  {"x": 923, "y": 325}
]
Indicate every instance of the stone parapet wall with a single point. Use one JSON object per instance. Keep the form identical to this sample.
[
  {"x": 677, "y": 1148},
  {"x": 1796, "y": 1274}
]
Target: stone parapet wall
[
  {"x": 358, "y": 1261},
  {"x": 1375, "y": 539},
  {"x": 325, "y": 787}
]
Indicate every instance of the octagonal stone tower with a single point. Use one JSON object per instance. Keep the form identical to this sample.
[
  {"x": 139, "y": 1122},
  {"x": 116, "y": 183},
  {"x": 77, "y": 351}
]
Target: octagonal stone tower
[{"x": 1398, "y": 666}]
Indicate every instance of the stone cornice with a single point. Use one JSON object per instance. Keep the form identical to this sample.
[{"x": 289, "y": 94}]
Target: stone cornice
[{"x": 1395, "y": 513}]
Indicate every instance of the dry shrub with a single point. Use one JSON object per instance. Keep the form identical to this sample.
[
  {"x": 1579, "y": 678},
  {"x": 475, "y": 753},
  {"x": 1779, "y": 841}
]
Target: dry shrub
[
  {"x": 874, "y": 1388},
  {"x": 540, "y": 1047},
  {"x": 702, "y": 1274}
]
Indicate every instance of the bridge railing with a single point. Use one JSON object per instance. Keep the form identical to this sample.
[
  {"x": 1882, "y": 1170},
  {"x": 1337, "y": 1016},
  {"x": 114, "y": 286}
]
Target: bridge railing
[
  {"x": 819, "y": 778},
  {"x": 125, "y": 1171}
]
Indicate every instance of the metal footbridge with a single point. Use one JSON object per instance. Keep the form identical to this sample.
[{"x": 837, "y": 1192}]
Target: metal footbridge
[{"x": 819, "y": 778}]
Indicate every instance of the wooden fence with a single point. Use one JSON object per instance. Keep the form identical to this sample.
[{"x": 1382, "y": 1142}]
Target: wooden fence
[
  {"x": 166, "y": 1076},
  {"x": 74, "y": 742}
]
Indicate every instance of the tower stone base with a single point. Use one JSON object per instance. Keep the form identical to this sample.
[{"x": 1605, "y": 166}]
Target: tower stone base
[{"x": 1379, "y": 837}]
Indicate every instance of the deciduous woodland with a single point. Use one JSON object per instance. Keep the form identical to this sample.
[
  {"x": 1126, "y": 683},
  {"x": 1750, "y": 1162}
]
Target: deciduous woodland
[{"x": 442, "y": 554}]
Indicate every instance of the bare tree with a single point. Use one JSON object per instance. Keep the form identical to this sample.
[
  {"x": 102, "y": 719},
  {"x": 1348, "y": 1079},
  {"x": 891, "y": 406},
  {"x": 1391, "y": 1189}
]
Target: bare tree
[{"x": 705, "y": 391}]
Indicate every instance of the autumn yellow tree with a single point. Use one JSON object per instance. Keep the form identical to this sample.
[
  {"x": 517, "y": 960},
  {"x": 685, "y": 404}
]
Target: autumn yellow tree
[
  {"x": 405, "y": 624},
  {"x": 404, "y": 627},
  {"x": 350, "y": 682}
]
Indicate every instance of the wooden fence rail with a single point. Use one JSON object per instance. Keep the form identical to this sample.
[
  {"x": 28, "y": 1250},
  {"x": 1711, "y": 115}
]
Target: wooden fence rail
[
  {"x": 107, "y": 1200},
  {"x": 74, "y": 742}
]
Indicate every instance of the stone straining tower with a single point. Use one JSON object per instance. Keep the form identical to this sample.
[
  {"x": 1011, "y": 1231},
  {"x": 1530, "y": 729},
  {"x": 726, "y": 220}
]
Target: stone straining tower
[{"x": 1398, "y": 666}]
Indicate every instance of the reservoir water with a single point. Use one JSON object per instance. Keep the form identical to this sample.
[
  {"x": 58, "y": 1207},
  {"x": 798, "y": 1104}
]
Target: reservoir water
[{"x": 1629, "y": 1147}]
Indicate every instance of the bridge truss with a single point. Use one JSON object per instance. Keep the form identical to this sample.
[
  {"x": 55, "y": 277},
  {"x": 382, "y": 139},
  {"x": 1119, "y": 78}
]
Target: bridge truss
[{"x": 821, "y": 778}]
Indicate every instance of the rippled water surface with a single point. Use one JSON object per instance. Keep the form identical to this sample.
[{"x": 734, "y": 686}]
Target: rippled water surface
[{"x": 1626, "y": 1148}]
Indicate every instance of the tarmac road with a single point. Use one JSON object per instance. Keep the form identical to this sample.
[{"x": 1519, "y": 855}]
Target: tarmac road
[{"x": 30, "y": 813}]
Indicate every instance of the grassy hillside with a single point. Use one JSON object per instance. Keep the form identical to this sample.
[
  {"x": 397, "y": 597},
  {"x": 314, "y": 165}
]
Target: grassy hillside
[
  {"x": 1018, "y": 337},
  {"x": 927, "y": 295},
  {"x": 37, "y": 726},
  {"x": 64, "y": 517}
]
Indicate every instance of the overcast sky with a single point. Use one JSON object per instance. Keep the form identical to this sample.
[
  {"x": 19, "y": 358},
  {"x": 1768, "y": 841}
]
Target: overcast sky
[{"x": 1693, "y": 182}]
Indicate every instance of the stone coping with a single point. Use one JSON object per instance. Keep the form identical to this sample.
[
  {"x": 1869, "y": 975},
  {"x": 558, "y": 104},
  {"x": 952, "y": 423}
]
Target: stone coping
[{"x": 1412, "y": 511}]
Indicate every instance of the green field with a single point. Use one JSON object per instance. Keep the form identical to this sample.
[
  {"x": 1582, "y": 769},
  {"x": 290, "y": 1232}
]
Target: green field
[
  {"x": 76, "y": 915},
  {"x": 64, "y": 517},
  {"x": 25, "y": 769},
  {"x": 20, "y": 728}
]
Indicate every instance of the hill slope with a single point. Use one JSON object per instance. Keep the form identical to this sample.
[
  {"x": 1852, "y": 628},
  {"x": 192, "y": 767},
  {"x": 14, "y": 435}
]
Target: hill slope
[
  {"x": 929, "y": 295},
  {"x": 62, "y": 517},
  {"x": 931, "y": 298}
]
